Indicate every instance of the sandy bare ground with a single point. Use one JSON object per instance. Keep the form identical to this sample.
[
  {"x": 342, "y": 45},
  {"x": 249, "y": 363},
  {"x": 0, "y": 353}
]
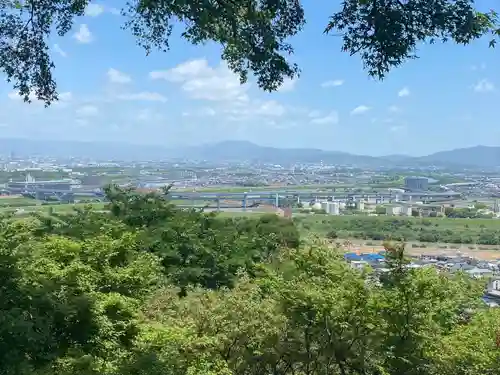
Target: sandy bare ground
[
  {"x": 431, "y": 249},
  {"x": 478, "y": 254}
]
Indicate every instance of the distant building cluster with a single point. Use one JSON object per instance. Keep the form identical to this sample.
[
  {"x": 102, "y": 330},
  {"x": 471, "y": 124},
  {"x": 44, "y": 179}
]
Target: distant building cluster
[
  {"x": 30, "y": 186},
  {"x": 416, "y": 184},
  {"x": 475, "y": 268}
]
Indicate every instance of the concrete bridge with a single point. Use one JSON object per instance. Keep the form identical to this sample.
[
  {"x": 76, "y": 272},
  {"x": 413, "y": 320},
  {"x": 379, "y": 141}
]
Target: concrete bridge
[
  {"x": 275, "y": 197},
  {"x": 60, "y": 195}
]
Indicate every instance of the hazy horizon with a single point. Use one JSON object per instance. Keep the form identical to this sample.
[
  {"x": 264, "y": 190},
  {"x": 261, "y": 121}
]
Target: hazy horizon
[{"x": 201, "y": 144}]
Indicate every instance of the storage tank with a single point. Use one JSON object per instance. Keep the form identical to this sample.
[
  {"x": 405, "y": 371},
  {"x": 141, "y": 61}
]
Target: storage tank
[
  {"x": 393, "y": 210},
  {"x": 334, "y": 208},
  {"x": 406, "y": 211},
  {"x": 324, "y": 206},
  {"x": 316, "y": 206}
]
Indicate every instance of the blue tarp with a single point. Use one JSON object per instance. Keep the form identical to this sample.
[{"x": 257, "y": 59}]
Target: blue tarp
[
  {"x": 352, "y": 256},
  {"x": 370, "y": 257}
]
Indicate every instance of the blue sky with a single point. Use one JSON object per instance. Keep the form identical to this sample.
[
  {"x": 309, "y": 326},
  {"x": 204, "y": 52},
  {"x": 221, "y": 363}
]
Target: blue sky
[{"x": 111, "y": 91}]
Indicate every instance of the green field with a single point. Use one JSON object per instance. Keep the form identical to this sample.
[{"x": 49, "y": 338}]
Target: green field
[
  {"x": 433, "y": 230},
  {"x": 356, "y": 227},
  {"x": 61, "y": 208},
  {"x": 446, "y": 223},
  {"x": 194, "y": 202},
  {"x": 17, "y": 201}
]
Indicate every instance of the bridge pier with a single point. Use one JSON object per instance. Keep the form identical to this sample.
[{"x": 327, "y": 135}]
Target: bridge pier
[
  {"x": 66, "y": 197},
  {"x": 277, "y": 200},
  {"x": 218, "y": 204},
  {"x": 245, "y": 198}
]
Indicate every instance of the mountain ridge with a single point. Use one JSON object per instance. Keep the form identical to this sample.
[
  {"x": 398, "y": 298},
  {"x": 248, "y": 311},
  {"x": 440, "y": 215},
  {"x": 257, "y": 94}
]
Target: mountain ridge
[{"x": 477, "y": 156}]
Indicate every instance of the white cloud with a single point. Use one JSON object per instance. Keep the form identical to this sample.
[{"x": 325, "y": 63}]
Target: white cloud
[
  {"x": 481, "y": 66},
  {"x": 484, "y": 86},
  {"x": 333, "y": 83},
  {"x": 203, "y": 112},
  {"x": 149, "y": 115},
  {"x": 218, "y": 84},
  {"x": 207, "y": 111},
  {"x": 314, "y": 113},
  {"x": 360, "y": 109},
  {"x": 267, "y": 109},
  {"x": 115, "y": 76},
  {"x": 184, "y": 71},
  {"x": 79, "y": 122},
  {"x": 144, "y": 96},
  {"x": 405, "y": 91},
  {"x": 93, "y": 10},
  {"x": 83, "y": 35},
  {"x": 64, "y": 97},
  {"x": 87, "y": 111},
  {"x": 270, "y": 108},
  {"x": 331, "y": 118},
  {"x": 397, "y": 128},
  {"x": 288, "y": 85},
  {"x": 201, "y": 81},
  {"x": 394, "y": 109},
  {"x": 59, "y": 50},
  {"x": 14, "y": 95}
]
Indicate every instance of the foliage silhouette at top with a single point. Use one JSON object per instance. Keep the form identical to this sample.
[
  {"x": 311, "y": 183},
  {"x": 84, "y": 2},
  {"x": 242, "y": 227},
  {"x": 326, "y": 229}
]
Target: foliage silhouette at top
[{"x": 254, "y": 34}]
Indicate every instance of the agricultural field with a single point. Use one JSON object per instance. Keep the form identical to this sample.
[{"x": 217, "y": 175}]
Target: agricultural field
[
  {"x": 21, "y": 205},
  {"x": 485, "y": 232},
  {"x": 59, "y": 208},
  {"x": 480, "y": 237},
  {"x": 17, "y": 201}
]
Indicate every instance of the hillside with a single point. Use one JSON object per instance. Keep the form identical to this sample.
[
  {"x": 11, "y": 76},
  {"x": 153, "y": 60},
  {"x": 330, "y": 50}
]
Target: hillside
[
  {"x": 482, "y": 156},
  {"x": 479, "y": 156},
  {"x": 247, "y": 151}
]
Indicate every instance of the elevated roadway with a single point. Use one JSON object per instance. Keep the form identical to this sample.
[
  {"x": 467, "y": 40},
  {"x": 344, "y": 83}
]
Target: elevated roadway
[
  {"x": 304, "y": 195},
  {"x": 252, "y": 197}
]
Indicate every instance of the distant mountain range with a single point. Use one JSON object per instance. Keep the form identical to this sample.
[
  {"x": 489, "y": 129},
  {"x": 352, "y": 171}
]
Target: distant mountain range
[{"x": 479, "y": 156}]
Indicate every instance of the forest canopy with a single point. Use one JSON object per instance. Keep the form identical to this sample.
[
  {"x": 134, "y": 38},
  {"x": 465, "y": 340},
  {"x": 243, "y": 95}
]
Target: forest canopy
[{"x": 147, "y": 288}]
